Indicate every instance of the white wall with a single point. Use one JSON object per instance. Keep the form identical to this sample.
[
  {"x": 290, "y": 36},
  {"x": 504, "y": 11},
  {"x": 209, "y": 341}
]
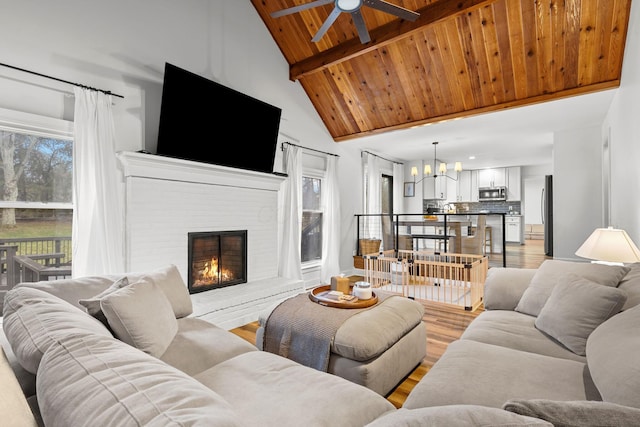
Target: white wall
[{"x": 577, "y": 189}]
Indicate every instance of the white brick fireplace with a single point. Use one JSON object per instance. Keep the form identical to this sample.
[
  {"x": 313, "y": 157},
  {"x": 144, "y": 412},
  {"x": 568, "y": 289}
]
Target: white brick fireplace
[{"x": 166, "y": 198}]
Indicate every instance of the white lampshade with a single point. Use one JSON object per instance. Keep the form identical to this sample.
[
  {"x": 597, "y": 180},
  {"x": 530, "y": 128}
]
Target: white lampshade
[
  {"x": 610, "y": 245},
  {"x": 443, "y": 168},
  {"x": 414, "y": 171},
  {"x": 427, "y": 169},
  {"x": 458, "y": 167}
]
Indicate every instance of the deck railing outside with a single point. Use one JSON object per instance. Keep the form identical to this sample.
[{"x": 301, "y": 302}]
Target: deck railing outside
[{"x": 26, "y": 258}]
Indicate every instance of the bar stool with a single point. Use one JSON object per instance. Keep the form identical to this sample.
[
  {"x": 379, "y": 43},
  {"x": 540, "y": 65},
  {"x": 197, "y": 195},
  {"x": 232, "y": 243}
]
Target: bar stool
[{"x": 488, "y": 239}]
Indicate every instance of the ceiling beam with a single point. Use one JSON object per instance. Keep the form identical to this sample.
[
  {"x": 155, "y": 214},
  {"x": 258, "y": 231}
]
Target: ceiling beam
[{"x": 383, "y": 36}]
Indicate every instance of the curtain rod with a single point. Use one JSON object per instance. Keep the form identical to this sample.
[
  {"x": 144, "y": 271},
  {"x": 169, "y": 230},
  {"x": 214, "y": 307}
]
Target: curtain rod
[
  {"x": 392, "y": 161},
  {"x": 60, "y": 80},
  {"x": 312, "y": 149}
]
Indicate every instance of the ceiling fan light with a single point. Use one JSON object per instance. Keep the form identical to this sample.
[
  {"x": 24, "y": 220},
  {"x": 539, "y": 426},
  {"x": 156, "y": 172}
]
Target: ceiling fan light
[
  {"x": 348, "y": 5},
  {"x": 443, "y": 168},
  {"x": 427, "y": 169}
]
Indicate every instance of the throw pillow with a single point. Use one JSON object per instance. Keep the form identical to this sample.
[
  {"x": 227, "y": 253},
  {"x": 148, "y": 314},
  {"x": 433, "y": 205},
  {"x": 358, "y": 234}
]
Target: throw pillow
[
  {"x": 575, "y": 413},
  {"x": 141, "y": 315},
  {"x": 575, "y": 309},
  {"x": 93, "y": 304},
  {"x": 170, "y": 281},
  {"x": 553, "y": 272}
]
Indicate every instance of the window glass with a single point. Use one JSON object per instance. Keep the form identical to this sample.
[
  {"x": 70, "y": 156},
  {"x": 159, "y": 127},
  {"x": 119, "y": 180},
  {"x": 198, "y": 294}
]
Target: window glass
[
  {"x": 36, "y": 206},
  {"x": 311, "y": 238}
]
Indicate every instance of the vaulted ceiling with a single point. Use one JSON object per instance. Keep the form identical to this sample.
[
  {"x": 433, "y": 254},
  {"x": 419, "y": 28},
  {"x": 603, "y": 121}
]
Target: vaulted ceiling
[{"x": 458, "y": 58}]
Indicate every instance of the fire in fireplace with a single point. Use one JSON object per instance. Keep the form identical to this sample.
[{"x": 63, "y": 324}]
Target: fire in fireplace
[{"x": 217, "y": 259}]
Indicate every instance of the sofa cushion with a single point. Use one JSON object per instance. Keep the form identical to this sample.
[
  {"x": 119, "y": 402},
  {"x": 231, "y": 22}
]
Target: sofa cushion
[
  {"x": 460, "y": 415},
  {"x": 515, "y": 330},
  {"x": 612, "y": 352},
  {"x": 291, "y": 394},
  {"x": 92, "y": 304},
  {"x": 34, "y": 319},
  {"x": 575, "y": 309},
  {"x": 630, "y": 283},
  {"x": 576, "y": 413},
  {"x": 13, "y": 405},
  {"x": 199, "y": 345},
  {"x": 170, "y": 281},
  {"x": 504, "y": 287},
  {"x": 553, "y": 272},
  {"x": 73, "y": 290},
  {"x": 100, "y": 381},
  {"x": 141, "y": 315},
  {"x": 372, "y": 332},
  {"x": 475, "y": 373}
]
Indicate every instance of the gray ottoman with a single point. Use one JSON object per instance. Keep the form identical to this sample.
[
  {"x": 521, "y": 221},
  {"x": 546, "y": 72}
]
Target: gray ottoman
[{"x": 377, "y": 347}]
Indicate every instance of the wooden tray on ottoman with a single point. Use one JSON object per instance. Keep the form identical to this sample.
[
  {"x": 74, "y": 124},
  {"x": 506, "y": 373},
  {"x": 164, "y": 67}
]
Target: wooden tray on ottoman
[{"x": 319, "y": 295}]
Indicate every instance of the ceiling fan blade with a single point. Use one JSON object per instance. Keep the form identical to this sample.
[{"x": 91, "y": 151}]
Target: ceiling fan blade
[
  {"x": 327, "y": 23},
  {"x": 295, "y": 9},
  {"x": 360, "y": 26},
  {"x": 387, "y": 7}
]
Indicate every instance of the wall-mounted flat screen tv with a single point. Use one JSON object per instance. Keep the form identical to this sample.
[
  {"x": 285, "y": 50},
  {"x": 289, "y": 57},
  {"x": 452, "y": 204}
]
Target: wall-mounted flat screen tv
[{"x": 205, "y": 121}]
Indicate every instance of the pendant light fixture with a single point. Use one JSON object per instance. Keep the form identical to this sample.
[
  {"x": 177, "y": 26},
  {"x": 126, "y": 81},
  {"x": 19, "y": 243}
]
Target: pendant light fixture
[{"x": 442, "y": 169}]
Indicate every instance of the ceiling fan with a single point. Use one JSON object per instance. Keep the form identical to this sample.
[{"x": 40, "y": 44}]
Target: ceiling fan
[{"x": 352, "y": 7}]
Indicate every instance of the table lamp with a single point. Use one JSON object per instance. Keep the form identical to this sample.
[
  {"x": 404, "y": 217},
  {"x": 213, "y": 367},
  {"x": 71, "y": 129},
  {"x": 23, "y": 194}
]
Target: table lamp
[{"x": 609, "y": 246}]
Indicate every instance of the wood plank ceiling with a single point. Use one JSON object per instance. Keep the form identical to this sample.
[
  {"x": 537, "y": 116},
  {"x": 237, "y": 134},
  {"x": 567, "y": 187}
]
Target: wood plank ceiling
[{"x": 459, "y": 58}]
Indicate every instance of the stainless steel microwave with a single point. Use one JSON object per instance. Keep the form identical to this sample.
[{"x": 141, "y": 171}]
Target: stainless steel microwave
[{"x": 487, "y": 194}]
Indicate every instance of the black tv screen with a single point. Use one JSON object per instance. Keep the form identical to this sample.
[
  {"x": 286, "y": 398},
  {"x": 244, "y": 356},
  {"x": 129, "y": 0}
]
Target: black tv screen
[{"x": 197, "y": 115}]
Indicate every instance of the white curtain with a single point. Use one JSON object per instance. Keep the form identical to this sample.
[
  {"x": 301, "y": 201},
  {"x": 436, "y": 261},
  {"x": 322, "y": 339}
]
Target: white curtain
[
  {"x": 290, "y": 264},
  {"x": 331, "y": 223},
  {"x": 373, "y": 224},
  {"x": 98, "y": 224}
]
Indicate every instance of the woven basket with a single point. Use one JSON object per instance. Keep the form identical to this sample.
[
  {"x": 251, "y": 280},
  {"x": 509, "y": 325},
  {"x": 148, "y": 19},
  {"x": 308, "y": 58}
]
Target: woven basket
[{"x": 369, "y": 246}]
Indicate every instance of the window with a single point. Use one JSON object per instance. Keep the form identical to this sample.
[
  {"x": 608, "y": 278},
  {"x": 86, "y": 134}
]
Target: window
[
  {"x": 36, "y": 204},
  {"x": 311, "y": 239}
]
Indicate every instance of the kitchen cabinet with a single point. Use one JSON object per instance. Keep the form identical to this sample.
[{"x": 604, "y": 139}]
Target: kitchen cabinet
[
  {"x": 435, "y": 188},
  {"x": 513, "y": 184},
  {"x": 495, "y": 177},
  {"x": 466, "y": 189},
  {"x": 452, "y": 190},
  {"x": 474, "y": 186},
  {"x": 463, "y": 190},
  {"x": 513, "y": 228}
]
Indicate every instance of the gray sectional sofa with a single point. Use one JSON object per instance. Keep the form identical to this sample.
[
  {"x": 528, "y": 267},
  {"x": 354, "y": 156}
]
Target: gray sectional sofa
[
  {"x": 109, "y": 351},
  {"x": 559, "y": 341}
]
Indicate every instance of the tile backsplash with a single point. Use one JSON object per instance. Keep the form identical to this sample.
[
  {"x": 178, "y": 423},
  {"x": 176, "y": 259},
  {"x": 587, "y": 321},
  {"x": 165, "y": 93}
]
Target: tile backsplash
[{"x": 505, "y": 207}]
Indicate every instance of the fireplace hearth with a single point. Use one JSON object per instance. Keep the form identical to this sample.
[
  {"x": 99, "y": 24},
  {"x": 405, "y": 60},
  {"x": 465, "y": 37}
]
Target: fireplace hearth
[{"x": 216, "y": 259}]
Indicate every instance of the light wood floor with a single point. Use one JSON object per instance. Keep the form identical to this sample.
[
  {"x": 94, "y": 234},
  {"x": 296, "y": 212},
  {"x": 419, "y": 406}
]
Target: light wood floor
[{"x": 444, "y": 323}]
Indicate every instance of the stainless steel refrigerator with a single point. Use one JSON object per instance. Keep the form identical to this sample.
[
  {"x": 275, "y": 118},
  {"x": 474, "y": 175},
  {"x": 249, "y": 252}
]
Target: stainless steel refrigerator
[{"x": 547, "y": 214}]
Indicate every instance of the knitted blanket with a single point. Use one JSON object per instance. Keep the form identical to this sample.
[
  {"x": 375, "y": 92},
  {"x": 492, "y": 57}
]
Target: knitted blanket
[{"x": 302, "y": 330}]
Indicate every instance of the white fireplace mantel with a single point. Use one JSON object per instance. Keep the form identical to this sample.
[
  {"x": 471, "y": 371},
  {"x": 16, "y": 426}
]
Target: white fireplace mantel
[{"x": 169, "y": 168}]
